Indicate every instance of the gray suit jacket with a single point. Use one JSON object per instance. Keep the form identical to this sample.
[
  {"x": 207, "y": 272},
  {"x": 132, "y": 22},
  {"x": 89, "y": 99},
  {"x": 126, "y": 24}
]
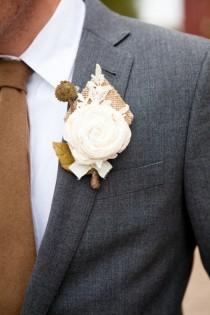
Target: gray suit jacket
[{"x": 127, "y": 249}]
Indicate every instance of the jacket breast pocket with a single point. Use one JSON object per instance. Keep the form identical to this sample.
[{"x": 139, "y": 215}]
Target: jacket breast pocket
[{"x": 133, "y": 179}]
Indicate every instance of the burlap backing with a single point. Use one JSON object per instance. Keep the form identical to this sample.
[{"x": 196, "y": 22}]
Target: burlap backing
[{"x": 117, "y": 102}]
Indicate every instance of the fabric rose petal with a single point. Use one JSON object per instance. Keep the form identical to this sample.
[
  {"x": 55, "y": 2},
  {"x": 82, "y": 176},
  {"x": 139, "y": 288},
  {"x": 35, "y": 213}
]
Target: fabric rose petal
[
  {"x": 95, "y": 133},
  {"x": 97, "y": 128}
]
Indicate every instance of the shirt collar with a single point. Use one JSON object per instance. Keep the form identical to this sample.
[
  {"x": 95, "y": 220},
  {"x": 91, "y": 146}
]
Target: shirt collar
[{"x": 53, "y": 52}]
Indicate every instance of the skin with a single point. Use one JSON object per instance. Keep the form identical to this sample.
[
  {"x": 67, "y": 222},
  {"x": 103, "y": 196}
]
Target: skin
[{"x": 21, "y": 21}]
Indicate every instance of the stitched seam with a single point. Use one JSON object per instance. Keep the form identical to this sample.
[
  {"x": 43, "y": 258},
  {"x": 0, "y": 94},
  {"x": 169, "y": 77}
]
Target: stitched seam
[
  {"x": 137, "y": 167},
  {"x": 145, "y": 186},
  {"x": 129, "y": 192}
]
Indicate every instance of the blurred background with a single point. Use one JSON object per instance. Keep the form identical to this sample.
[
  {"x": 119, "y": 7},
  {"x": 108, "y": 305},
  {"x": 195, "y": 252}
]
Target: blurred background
[{"x": 191, "y": 16}]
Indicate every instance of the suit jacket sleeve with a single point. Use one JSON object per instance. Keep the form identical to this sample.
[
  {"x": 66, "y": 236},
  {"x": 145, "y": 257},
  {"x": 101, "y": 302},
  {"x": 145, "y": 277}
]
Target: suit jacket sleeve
[{"x": 197, "y": 163}]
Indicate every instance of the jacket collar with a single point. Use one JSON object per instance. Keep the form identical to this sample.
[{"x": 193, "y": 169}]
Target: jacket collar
[{"x": 111, "y": 28}]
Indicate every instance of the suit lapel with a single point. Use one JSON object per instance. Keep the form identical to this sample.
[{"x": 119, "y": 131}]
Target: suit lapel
[{"x": 74, "y": 200}]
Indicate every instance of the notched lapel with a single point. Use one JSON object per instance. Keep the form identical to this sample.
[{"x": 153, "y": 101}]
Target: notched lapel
[
  {"x": 73, "y": 200},
  {"x": 116, "y": 65}
]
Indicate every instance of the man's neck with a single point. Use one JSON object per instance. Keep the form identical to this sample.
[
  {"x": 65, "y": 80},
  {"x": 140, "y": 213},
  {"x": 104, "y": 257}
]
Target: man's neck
[{"x": 23, "y": 31}]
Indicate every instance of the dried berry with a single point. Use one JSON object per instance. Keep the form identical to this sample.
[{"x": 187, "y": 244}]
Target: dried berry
[{"x": 66, "y": 91}]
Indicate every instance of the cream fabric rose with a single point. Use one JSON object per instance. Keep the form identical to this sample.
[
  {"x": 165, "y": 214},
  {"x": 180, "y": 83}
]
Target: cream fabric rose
[{"x": 96, "y": 133}]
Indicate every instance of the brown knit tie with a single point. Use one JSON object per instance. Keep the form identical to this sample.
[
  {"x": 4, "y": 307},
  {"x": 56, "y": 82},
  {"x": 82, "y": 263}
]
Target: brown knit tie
[{"x": 17, "y": 247}]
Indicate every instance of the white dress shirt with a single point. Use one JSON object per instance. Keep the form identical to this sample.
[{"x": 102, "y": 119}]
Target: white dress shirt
[{"x": 51, "y": 55}]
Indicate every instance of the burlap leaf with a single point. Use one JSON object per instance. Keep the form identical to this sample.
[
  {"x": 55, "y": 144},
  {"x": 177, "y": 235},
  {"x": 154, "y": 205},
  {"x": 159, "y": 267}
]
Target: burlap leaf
[
  {"x": 117, "y": 101},
  {"x": 64, "y": 154}
]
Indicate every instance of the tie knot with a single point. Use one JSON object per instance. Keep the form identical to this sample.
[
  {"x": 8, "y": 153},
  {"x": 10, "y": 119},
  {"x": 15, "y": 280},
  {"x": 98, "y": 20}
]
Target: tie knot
[{"x": 14, "y": 74}]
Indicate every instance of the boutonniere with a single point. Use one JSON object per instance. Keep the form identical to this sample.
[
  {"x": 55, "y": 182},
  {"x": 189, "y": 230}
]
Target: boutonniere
[{"x": 96, "y": 128}]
